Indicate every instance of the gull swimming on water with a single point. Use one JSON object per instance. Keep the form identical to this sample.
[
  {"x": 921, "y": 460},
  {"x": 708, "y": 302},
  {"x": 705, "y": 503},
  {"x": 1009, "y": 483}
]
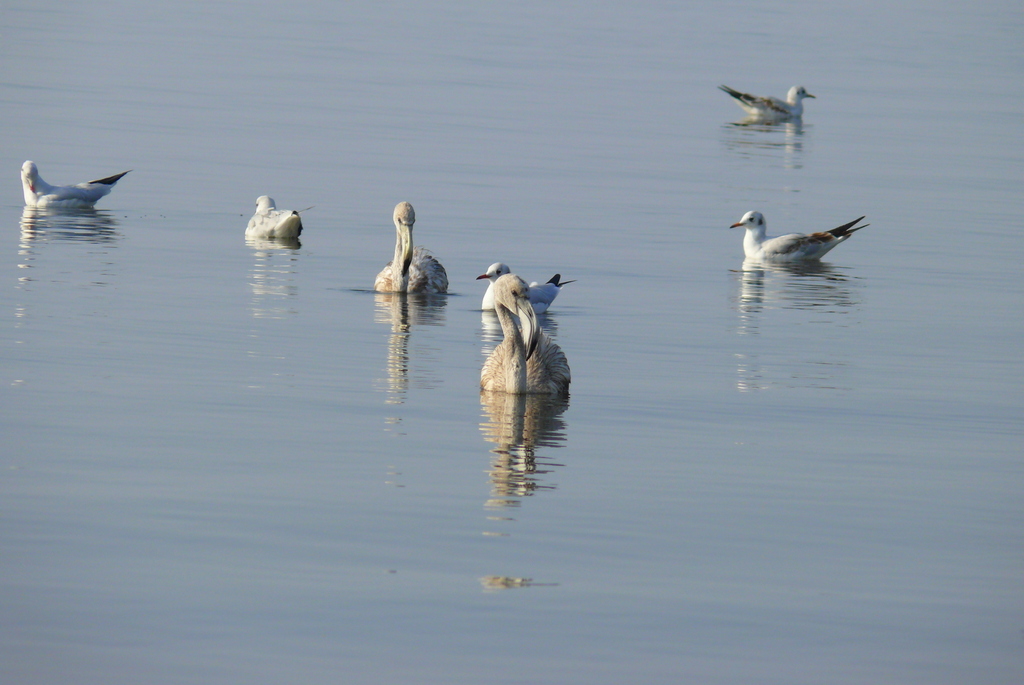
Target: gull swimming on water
[
  {"x": 411, "y": 270},
  {"x": 771, "y": 108},
  {"x": 792, "y": 247},
  {"x": 527, "y": 361},
  {"x": 39, "y": 193},
  {"x": 541, "y": 294},
  {"x": 270, "y": 222}
]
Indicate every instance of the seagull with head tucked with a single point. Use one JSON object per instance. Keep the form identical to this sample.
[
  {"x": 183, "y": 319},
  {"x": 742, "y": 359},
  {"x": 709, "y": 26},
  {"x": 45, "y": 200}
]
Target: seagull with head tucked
[
  {"x": 39, "y": 193},
  {"x": 269, "y": 222}
]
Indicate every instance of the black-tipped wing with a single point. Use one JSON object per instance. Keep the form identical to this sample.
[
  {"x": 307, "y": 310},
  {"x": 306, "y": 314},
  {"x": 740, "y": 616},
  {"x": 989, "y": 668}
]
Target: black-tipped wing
[
  {"x": 760, "y": 105},
  {"x": 847, "y": 229},
  {"x": 742, "y": 97},
  {"x": 557, "y": 281},
  {"x": 111, "y": 180}
]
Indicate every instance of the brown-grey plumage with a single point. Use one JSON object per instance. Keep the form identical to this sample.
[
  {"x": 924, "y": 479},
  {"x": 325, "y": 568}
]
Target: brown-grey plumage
[
  {"x": 518, "y": 425},
  {"x": 411, "y": 270},
  {"x": 527, "y": 361},
  {"x": 769, "y": 107}
]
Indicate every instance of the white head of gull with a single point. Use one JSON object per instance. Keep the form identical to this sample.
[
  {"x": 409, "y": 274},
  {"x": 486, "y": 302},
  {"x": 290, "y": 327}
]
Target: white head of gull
[{"x": 411, "y": 270}]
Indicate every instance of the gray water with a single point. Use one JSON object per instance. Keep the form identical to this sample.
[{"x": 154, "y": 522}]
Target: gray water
[{"x": 230, "y": 462}]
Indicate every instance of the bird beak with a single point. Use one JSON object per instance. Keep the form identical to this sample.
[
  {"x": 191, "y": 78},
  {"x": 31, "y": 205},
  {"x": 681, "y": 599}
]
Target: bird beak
[
  {"x": 528, "y": 324},
  {"x": 482, "y": 276},
  {"x": 737, "y": 224},
  {"x": 405, "y": 239},
  {"x": 808, "y": 95}
]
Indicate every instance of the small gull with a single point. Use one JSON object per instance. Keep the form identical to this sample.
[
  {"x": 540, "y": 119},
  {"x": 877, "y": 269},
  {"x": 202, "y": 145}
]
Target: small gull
[
  {"x": 527, "y": 361},
  {"x": 792, "y": 247},
  {"x": 411, "y": 270},
  {"x": 39, "y": 193},
  {"x": 269, "y": 222},
  {"x": 541, "y": 294},
  {"x": 771, "y": 108}
]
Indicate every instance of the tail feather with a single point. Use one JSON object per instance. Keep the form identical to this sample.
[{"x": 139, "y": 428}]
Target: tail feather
[
  {"x": 555, "y": 280},
  {"x": 847, "y": 229},
  {"x": 111, "y": 180},
  {"x": 735, "y": 93}
]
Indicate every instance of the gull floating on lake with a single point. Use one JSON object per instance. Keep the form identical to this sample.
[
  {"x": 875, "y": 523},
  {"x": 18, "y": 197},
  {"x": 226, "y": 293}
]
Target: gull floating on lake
[
  {"x": 541, "y": 294},
  {"x": 527, "y": 361},
  {"x": 39, "y": 193},
  {"x": 792, "y": 247},
  {"x": 269, "y": 222},
  {"x": 412, "y": 270},
  {"x": 769, "y": 107}
]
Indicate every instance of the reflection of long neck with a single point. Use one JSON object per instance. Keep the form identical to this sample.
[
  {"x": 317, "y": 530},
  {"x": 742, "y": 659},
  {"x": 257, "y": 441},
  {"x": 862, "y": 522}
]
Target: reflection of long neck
[
  {"x": 403, "y": 257},
  {"x": 518, "y": 425},
  {"x": 398, "y": 351},
  {"x": 514, "y": 459},
  {"x": 515, "y": 358}
]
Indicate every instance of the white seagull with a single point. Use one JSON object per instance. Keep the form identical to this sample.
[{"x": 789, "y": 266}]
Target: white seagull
[
  {"x": 527, "y": 361},
  {"x": 793, "y": 247},
  {"x": 39, "y": 193},
  {"x": 269, "y": 222},
  {"x": 411, "y": 271},
  {"x": 541, "y": 294},
  {"x": 769, "y": 107}
]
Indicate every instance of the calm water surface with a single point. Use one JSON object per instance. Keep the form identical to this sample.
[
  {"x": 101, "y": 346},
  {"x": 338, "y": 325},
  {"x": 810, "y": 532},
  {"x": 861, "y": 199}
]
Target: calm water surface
[{"x": 230, "y": 462}]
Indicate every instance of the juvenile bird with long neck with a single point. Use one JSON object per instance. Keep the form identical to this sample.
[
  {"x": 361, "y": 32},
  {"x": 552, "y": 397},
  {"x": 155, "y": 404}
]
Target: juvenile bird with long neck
[
  {"x": 411, "y": 270},
  {"x": 527, "y": 361}
]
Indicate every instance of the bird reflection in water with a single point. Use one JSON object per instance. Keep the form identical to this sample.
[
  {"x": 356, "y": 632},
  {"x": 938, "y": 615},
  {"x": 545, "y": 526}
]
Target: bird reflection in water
[
  {"x": 403, "y": 312},
  {"x": 518, "y": 425},
  {"x": 753, "y": 137},
  {"x": 792, "y": 295},
  {"x": 495, "y": 583},
  {"x": 813, "y": 285},
  {"x": 40, "y": 224},
  {"x": 273, "y": 276}
]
